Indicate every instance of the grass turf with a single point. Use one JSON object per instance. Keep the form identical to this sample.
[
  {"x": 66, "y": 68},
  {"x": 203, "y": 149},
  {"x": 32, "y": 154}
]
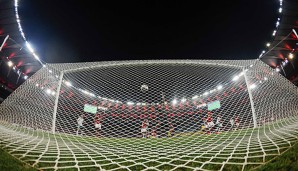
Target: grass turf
[
  {"x": 10, "y": 163},
  {"x": 287, "y": 161}
]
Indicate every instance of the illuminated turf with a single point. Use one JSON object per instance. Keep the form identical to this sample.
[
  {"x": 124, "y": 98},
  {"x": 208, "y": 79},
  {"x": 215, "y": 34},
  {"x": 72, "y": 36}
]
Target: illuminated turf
[{"x": 183, "y": 152}]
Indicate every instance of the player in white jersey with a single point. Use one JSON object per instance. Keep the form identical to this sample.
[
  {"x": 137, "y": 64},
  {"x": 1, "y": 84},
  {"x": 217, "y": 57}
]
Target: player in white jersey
[
  {"x": 144, "y": 128},
  {"x": 232, "y": 123},
  {"x": 218, "y": 123},
  {"x": 80, "y": 126}
]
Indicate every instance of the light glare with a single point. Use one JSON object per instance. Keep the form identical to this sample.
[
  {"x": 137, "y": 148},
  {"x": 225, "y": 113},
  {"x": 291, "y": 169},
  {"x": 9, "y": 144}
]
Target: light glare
[
  {"x": 291, "y": 56},
  {"x": 29, "y": 47},
  {"x": 195, "y": 97},
  {"x": 174, "y": 101},
  {"x": 9, "y": 63},
  {"x": 48, "y": 91},
  {"x": 277, "y": 69},
  {"x": 130, "y": 103},
  {"x": 236, "y": 78},
  {"x": 252, "y": 86},
  {"x": 68, "y": 83}
]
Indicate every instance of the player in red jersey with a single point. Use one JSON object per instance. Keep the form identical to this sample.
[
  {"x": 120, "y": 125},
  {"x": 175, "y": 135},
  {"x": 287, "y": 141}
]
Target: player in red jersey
[
  {"x": 210, "y": 122},
  {"x": 97, "y": 124},
  {"x": 144, "y": 128},
  {"x": 154, "y": 130}
]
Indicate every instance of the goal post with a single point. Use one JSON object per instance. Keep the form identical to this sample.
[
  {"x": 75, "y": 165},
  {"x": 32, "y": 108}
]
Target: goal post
[
  {"x": 250, "y": 98},
  {"x": 57, "y": 101}
]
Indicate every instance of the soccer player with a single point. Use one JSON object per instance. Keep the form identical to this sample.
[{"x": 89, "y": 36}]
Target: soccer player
[
  {"x": 218, "y": 123},
  {"x": 171, "y": 130},
  {"x": 144, "y": 128},
  {"x": 204, "y": 125},
  {"x": 154, "y": 130},
  {"x": 210, "y": 122},
  {"x": 232, "y": 123},
  {"x": 97, "y": 124},
  {"x": 80, "y": 121},
  {"x": 237, "y": 122},
  {"x": 272, "y": 118}
]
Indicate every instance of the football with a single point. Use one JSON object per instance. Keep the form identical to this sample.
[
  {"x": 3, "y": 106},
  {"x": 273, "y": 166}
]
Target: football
[{"x": 144, "y": 88}]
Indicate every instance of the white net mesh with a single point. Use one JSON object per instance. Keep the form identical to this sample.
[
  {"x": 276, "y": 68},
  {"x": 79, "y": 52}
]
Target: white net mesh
[{"x": 151, "y": 115}]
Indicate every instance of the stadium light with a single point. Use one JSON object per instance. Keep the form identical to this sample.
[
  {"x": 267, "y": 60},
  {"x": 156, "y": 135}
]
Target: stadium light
[
  {"x": 35, "y": 56},
  {"x": 85, "y": 92},
  {"x": 9, "y": 63},
  {"x": 211, "y": 91},
  {"x": 277, "y": 69},
  {"x": 68, "y": 83},
  {"x": 268, "y": 44},
  {"x": 265, "y": 78},
  {"x": 277, "y": 23},
  {"x": 48, "y": 91},
  {"x": 102, "y": 108},
  {"x": 252, "y": 86},
  {"x": 36, "y": 85},
  {"x": 206, "y": 93},
  {"x": 219, "y": 87},
  {"x": 29, "y": 47},
  {"x": 174, "y": 101},
  {"x": 195, "y": 97},
  {"x": 130, "y": 103},
  {"x": 291, "y": 56},
  {"x": 25, "y": 77},
  {"x": 274, "y": 33},
  {"x": 183, "y": 100},
  {"x": 235, "y": 78}
]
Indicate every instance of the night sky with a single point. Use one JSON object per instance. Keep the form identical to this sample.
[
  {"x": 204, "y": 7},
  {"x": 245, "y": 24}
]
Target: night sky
[{"x": 80, "y": 31}]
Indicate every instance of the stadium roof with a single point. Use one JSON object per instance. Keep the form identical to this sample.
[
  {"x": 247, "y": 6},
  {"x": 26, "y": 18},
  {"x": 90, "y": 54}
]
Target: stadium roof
[
  {"x": 284, "y": 42},
  {"x": 24, "y": 62}
]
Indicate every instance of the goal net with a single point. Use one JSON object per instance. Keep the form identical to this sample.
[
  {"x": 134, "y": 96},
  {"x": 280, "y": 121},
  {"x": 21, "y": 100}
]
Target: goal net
[{"x": 151, "y": 115}]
